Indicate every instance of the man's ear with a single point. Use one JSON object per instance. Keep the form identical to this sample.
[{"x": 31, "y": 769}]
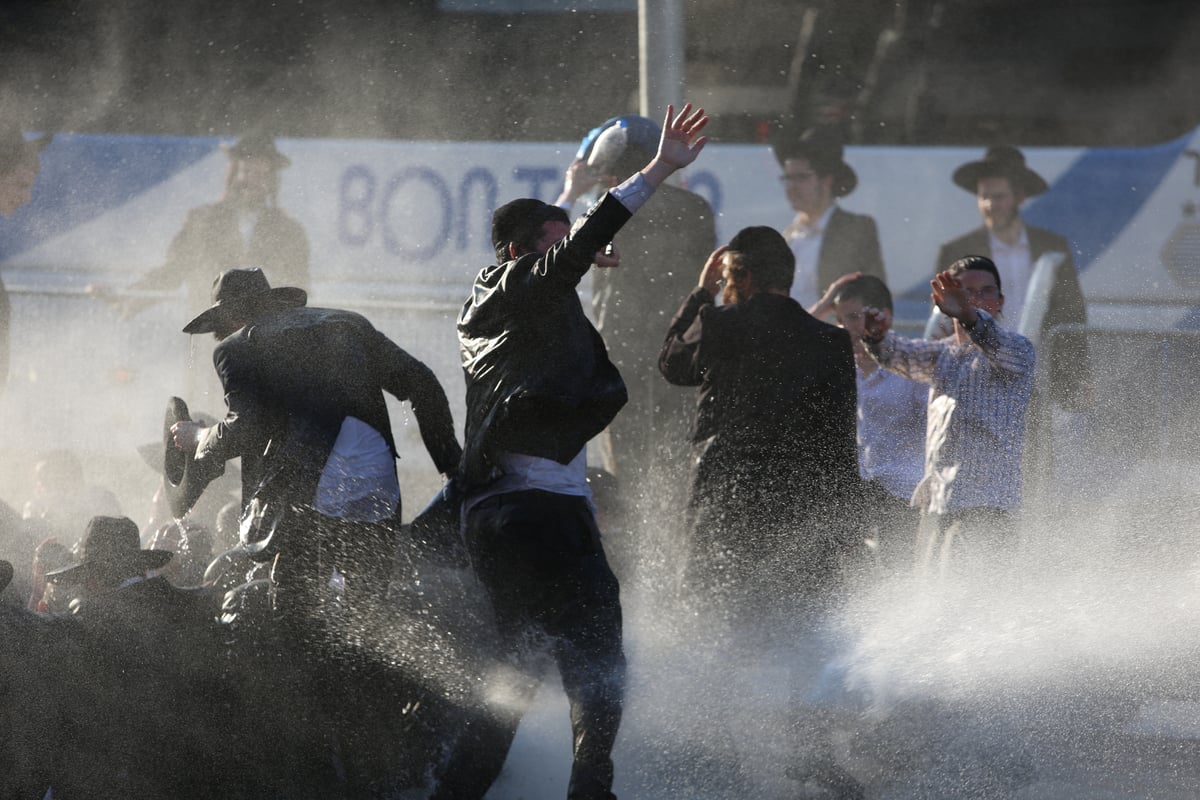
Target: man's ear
[{"x": 512, "y": 251}]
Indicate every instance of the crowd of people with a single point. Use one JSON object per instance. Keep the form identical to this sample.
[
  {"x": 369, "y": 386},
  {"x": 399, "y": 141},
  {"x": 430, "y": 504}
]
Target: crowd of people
[{"x": 268, "y": 606}]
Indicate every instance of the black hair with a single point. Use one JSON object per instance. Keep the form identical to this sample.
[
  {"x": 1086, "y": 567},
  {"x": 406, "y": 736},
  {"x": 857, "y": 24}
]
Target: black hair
[
  {"x": 765, "y": 254},
  {"x": 520, "y": 222},
  {"x": 869, "y": 289},
  {"x": 977, "y": 263}
]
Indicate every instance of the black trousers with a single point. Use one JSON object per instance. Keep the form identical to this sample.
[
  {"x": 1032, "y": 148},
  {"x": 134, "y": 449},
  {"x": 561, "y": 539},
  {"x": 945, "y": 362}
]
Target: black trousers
[{"x": 539, "y": 558}]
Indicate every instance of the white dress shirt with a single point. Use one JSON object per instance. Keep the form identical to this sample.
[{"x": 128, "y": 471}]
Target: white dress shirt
[
  {"x": 1015, "y": 266},
  {"x": 805, "y": 241}
]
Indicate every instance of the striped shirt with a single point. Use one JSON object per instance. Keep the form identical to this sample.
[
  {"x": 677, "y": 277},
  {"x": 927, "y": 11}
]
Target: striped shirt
[{"x": 975, "y": 421}]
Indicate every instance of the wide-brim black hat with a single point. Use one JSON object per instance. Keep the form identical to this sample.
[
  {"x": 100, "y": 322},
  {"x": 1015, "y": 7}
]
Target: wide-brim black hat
[
  {"x": 822, "y": 148},
  {"x": 152, "y": 452},
  {"x": 111, "y": 549},
  {"x": 238, "y": 291},
  {"x": 1001, "y": 161},
  {"x": 183, "y": 480}
]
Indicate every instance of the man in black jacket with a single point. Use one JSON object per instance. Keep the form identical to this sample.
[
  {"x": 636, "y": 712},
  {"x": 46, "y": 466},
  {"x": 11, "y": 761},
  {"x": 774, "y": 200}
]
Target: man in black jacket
[
  {"x": 309, "y": 420},
  {"x": 775, "y": 428},
  {"x": 245, "y": 226},
  {"x": 307, "y": 415},
  {"x": 826, "y": 240},
  {"x": 539, "y": 386}
]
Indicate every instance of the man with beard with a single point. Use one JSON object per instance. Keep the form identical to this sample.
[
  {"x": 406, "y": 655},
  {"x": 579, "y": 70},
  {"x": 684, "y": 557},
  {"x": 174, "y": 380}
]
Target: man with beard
[
  {"x": 245, "y": 226},
  {"x": 1001, "y": 183},
  {"x": 827, "y": 240},
  {"x": 774, "y": 428},
  {"x": 540, "y": 385}
]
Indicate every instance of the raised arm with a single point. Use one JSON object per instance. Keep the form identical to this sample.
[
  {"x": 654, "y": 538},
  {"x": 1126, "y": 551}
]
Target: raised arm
[{"x": 679, "y": 145}]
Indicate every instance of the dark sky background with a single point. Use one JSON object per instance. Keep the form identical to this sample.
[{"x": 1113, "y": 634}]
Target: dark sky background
[{"x": 891, "y": 71}]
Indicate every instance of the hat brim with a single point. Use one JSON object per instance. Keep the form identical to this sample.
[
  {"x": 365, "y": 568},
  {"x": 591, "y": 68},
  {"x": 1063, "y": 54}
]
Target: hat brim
[
  {"x": 183, "y": 480},
  {"x": 1024, "y": 179},
  {"x": 845, "y": 179},
  {"x": 281, "y": 297},
  {"x": 134, "y": 563}
]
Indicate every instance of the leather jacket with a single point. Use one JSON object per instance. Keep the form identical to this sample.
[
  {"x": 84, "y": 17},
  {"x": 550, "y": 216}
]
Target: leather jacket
[{"x": 539, "y": 379}]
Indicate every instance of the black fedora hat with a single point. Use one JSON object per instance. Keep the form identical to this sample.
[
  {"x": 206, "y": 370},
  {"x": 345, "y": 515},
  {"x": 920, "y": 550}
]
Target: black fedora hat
[
  {"x": 238, "y": 291},
  {"x": 822, "y": 148},
  {"x": 112, "y": 551},
  {"x": 258, "y": 145},
  {"x": 152, "y": 452},
  {"x": 1001, "y": 161},
  {"x": 183, "y": 479}
]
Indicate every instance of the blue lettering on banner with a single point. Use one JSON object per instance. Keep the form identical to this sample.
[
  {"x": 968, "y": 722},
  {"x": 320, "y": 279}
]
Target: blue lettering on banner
[
  {"x": 536, "y": 177},
  {"x": 391, "y": 241},
  {"x": 364, "y": 208},
  {"x": 356, "y": 191}
]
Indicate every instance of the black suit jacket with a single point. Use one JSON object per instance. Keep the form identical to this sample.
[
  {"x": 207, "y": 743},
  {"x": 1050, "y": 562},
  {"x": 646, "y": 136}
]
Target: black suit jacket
[
  {"x": 850, "y": 243},
  {"x": 1069, "y": 363},
  {"x": 210, "y": 242},
  {"x": 662, "y": 250},
  {"x": 773, "y": 379},
  {"x": 290, "y": 380}
]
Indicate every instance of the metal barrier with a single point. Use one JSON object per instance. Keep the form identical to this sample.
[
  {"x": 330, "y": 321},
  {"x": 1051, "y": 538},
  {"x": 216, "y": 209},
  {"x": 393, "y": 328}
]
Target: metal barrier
[{"x": 1136, "y": 439}]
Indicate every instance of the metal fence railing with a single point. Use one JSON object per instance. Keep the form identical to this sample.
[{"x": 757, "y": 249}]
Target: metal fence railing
[{"x": 1136, "y": 434}]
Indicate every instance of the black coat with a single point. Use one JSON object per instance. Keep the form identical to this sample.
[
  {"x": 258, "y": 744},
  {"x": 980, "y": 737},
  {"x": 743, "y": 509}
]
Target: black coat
[
  {"x": 662, "y": 249},
  {"x": 776, "y": 418},
  {"x": 290, "y": 380},
  {"x": 211, "y": 242},
  {"x": 849, "y": 243},
  {"x": 539, "y": 380}
]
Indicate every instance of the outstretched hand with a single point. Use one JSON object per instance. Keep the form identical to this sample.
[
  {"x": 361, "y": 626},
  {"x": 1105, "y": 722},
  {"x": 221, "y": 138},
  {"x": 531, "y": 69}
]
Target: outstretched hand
[
  {"x": 875, "y": 324},
  {"x": 679, "y": 144},
  {"x": 950, "y": 296},
  {"x": 825, "y": 305}
]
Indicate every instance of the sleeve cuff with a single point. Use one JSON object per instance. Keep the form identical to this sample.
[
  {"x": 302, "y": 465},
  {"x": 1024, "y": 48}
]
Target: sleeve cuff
[{"x": 633, "y": 193}]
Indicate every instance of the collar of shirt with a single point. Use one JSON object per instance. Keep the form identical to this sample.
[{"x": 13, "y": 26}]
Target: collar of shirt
[
  {"x": 801, "y": 229},
  {"x": 1000, "y": 248},
  {"x": 867, "y": 378}
]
